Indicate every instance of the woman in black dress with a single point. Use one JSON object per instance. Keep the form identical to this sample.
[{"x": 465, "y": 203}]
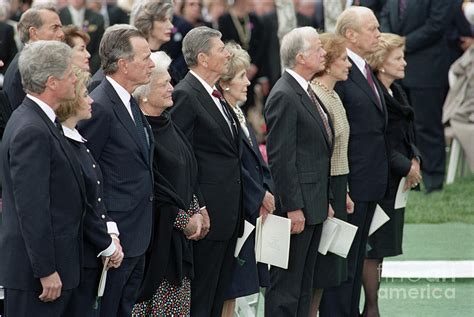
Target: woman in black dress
[
  {"x": 101, "y": 235},
  {"x": 247, "y": 276},
  {"x": 389, "y": 64},
  {"x": 166, "y": 288}
]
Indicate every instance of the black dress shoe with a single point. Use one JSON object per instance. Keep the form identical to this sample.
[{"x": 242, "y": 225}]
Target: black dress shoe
[{"x": 433, "y": 189}]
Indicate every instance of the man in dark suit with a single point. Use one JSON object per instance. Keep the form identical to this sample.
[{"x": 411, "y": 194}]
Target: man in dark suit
[
  {"x": 8, "y": 47},
  {"x": 368, "y": 154},
  {"x": 121, "y": 142},
  {"x": 424, "y": 23},
  {"x": 299, "y": 146},
  {"x": 43, "y": 191},
  {"x": 89, "y": 21},
  {"x": 38, "y": 23},
  {"x": 212, "y": 129}
]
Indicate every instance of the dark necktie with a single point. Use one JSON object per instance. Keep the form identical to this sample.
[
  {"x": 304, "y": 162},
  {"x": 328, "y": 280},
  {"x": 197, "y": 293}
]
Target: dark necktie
[
  {"x": 137, "y": 115},
  {"x": 402, "y": 6},
  {"x": 233, "y": 128},
  {"x": 370, "y": 80},
  {"x": 321, "y": 112},
  {"x": 59, "y": 126}
]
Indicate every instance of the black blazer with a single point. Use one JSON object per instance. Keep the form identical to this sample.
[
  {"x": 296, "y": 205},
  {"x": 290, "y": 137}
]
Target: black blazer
[
  {"x": 12, "y": 85},
  {"x": 217, "y": 154},
  {"x": 299, "y": 152},
  {"x": 425, "y": 24},
  {"x": 126, "y": 167},
  {"x": 94, "y": 25},
  {"x": 96, "y": 237},
  {"x": 368, "y": 151},
  {"x": 43, "y": 203},
  {"x": 8, "y": 47}
]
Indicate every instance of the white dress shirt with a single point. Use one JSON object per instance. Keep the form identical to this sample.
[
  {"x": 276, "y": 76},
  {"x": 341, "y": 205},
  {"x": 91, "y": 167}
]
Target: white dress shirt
[
  {"x": 44, "y": 106},
  {"x": 77, "y": 16},
  {"x": 123, "y": 95}
]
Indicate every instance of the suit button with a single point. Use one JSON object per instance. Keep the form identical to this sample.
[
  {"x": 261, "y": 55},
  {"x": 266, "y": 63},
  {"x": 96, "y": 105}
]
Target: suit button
[
  {"x": 99, "y": 199},
  {"x": 87, "y": 150},
  {"x": 98, "y": 182},
  {"x": 151, "y": 198},
  {"x": 93, "y": 165},
  {"x": 103, "y": 216}
]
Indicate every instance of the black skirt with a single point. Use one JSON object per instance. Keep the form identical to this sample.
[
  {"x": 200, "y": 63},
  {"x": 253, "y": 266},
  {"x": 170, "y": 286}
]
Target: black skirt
[{"x": 331, "y": 269}]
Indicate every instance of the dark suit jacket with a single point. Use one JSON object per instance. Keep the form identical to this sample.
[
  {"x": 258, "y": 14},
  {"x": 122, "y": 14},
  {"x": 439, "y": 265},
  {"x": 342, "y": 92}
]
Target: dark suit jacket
[
  {"x": 12, "y": 85},
  {"x": 271, "y": 66},
  {"x": 299, "y": 153},
  {"x": 96, "y": 237},
  {"x": 94, "y": 26},
  {"x": 424, "y": 25},
  {"x": 126, "y": 167},
  {"x": 217, "y": 154},
  {"x": 8, "y": 47},
  {"x": 43, "y": 203},
  {"x": 368, "y": 153}
]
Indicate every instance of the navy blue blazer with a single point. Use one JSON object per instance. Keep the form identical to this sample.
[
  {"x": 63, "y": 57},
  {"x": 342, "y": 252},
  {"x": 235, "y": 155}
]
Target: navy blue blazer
[
  {"x": 43, "y": 203},
  {"x": 12, "y": 85},
  {"x": 217, "y": 154},
  {"x": 126, "y": 167},
  {"x": 368, "y": 150}
]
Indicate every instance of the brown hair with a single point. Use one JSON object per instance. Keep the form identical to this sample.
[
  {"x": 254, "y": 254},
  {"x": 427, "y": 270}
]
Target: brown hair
[
  {"x": 334, "y": 45},
  {"x": 71, "y": 32},
  {"x": 69, "y": 108}
]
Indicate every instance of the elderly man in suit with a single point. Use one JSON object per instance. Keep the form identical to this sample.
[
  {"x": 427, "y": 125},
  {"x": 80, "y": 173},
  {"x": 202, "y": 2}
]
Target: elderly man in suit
[
  {"x": 425, "y": 26},
  {"x": 37, "y": 23},
  {"x": 368, "y": 154},
  {"x": 299, "y": 146},
  {"x": 43, "y": 191},
  {"x": 121, "y": 142},
  {"x": 90, "y": 22},
  {"x": 212, "y": 129}
]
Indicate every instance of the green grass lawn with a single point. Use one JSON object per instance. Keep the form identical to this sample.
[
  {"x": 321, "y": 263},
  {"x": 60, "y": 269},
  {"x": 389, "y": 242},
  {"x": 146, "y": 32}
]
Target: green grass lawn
[{"x": 454, "y": 204}]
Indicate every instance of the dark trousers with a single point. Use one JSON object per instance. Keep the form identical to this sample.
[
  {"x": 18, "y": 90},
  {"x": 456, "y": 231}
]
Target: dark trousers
[
  {"x": 20, "y": 303},
  {"x": 428, "y": 106},
  {"x": 121, "y": 289},
  {"x": 212, "y": 275},
  {"x": 343, "y": 300},
  {"x": 291, "y": 290},
  {"x": 84, "y": 296}
]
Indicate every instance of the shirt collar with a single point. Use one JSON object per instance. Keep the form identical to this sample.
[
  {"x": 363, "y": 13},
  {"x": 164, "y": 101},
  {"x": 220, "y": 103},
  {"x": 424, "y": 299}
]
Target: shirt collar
[
  {"x": 301, "y": 81},
  {"x": 123, "y": 94},
  {"x": 359, "y": 61},
  {"x": 73, "y": 134},
  {"x": 208, "y": 88},
  {"x": 44, "y": 106}
]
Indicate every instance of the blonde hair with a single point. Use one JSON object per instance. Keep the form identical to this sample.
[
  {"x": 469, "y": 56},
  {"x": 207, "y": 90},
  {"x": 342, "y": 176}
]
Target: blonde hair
[
  {"x": 239, "y": 58},
  {"x": 334, "y": 45},
  {"x": 69, "y": 108},
  {"x": 387, "y": 43}
]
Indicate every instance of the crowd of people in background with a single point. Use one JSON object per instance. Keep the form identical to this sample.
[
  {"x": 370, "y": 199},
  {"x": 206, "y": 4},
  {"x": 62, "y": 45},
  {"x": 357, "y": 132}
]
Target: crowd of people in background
[{"x": 139, "y": 137}]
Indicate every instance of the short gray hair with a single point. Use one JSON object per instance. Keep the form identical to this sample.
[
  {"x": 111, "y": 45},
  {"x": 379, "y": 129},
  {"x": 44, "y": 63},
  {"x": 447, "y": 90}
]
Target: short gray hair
[
  {"x": 350, "y": 18},
  {"x": 40, "y": 60},
  {"x": 162, "y": 62},
  {"x": 145, "y": 12},
  {"x": 294, "y": 43},
  {"x": 115, "y": 44},
  {"x": 32, "y": 18},
  {"x": 198, "y": 41}
]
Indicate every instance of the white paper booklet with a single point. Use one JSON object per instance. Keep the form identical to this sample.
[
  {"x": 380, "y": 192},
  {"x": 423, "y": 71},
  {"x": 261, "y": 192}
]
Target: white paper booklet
[
  {"x": 379, "y": 219},
  {"x": 402, "y": 197},
  {"x": 248, "y": 228},
  {"x": 272, "y": 241},
  {"x": 328, "y": 234},
  {"x": 343, "y": 238}
]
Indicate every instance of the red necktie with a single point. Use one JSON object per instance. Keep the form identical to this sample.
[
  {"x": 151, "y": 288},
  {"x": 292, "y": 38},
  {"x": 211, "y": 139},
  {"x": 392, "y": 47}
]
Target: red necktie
[{"x": 370, "y": 80}]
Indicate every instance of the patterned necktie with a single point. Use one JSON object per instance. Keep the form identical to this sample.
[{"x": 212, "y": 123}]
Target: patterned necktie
[
  {"x": 402, "y": 6},
  {"x": 233, "y": 129},
  {"x": 370, "y": 80},
  {"x": 137, "y": 116},
  {"x": 322, "y": 114}
]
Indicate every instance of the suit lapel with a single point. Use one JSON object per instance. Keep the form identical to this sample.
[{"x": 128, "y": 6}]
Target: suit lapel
[
  {"x": 307, "y": 103},
  {"x": 66, "y": 17},
  {"x": 359, "y": 79},
  {"x": 210, "y": 106},
  {"x": 124, "y": 117},
  {"x": 63, "y": 143}
]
